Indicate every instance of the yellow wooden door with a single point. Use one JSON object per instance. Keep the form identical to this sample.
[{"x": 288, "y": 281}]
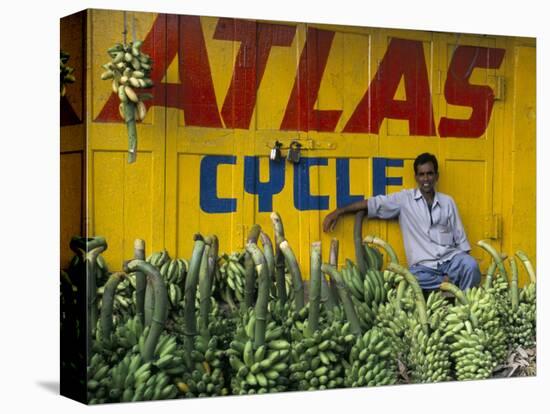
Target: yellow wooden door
[{"x": 125, "y": 201}]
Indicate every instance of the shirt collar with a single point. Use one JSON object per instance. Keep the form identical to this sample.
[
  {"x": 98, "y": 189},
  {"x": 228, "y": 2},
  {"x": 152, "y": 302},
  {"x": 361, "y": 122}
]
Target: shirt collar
[{"x": 418, "y": 195}]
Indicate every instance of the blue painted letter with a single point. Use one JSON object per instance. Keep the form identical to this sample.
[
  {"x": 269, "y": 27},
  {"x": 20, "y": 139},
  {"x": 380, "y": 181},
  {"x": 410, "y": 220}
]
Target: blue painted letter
[
  {"x": 209, "y": 201},
  {"x": 265, "y": 190},
  {"x": 379, "y": 178},
  {"x": 303, "y": 200},
  {"x": 343, "y": 197}
]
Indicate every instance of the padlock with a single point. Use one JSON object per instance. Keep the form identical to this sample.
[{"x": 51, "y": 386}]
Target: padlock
[
  {"x": 294, "y": 152},
  {"x": 275, "y": 153}
]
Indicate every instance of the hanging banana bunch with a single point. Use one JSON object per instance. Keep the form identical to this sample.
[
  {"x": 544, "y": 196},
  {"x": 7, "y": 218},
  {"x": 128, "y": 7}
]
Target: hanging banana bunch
[
  {"x": 129, "y": 70},
  {"x": 66, "y": 72}
]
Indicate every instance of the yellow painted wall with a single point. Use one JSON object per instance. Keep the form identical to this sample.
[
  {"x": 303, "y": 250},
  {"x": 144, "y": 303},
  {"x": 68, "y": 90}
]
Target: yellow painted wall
[{"x": 492, "y": 178}]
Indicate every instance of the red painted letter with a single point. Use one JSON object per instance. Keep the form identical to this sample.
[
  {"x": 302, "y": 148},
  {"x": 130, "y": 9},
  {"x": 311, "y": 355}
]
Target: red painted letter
[
  {"x": 404, "y": 58},
  {"x": 458, "y": 91},
  {"x": 198, "y": 99},
  {"x": 299, "y": 114},
  {"x": 256, "y": 42}
]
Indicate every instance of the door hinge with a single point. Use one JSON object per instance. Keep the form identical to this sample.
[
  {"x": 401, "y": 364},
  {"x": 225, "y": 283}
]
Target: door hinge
[{"x": 500, "y": 88}]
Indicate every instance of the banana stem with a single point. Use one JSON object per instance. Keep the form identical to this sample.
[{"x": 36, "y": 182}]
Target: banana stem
[
  {"x": 268, "y": 253},
  {"x": 279, "y": 259},
  {"x": 527, "y": 264},
  {"x": 417, "y": 290},
  {"x": 254, "y": 233},
  {"x": 333, "y": 260},
  {"x": 349, "y": 309},
  {"x": 190, "y": 327},
  {"x": 383, "y": 244},
  {"x": 161, "y": 306},
  {"x": 514, "y": 291},
  {"x": 315, "y": 287},
  {"x": 264, "y": 282},
  {"x": 204, "y": 289},
  {"x": 496, "y": 257},
  {"x": 139, "y": 254},
  {"x": 249, "y": 281},
  {"x": 88, "y": 249},
  {"x": 455, "y": 290},
  {"x": 106, "y": 316},
  {"x": 400, "y": 293},
  {"x": 278, "y": 229},
  {"x": 130, "y": 119},
  {"x": 360, "y": 256},
  {"x": 149, "y": 303},
  {"x": 297, "y": 282},
  {"x": 490, "y": 274}
]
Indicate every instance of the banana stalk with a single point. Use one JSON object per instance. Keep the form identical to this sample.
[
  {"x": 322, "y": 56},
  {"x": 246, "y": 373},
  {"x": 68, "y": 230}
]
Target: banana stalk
[
  {"x": 449, "y": 287},
  {"x": 264, "y": 282},
  {"x": 297, "y": 283},
  {"x": 314, "y": 287},
  {"x": 344, "y": 297},
  {"x": 496, "y": 257},
  {"x": 386, "y": 246},
  {"x": 268, "y": 253},
  {"x": 190, "y": 326},
  {"x": 129, "y": 109},
  {"x": 279, "y": 258},
  {"x": 205, "y": 288},
  {"x": 249, "y": 281},
  {"x": 332, "y": 289},
  {"x": 88, "y": 249},
  {"x": 514, "y": 292},
  {"x": 419, "y": 296},
  {"x": 161, "y": 306},
  {"x": 527, "y": 264},
  {"x": 139, "y": 254},
  {"x": 149, "y": 303},
  {"x": 490, "y": 274},
  {"x": 360, "y": 256},
  {"x": 106, "y": 316}
]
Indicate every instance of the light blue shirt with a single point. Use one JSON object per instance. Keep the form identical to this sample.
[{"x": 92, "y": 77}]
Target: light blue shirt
[{"x": 428, "y": 240}]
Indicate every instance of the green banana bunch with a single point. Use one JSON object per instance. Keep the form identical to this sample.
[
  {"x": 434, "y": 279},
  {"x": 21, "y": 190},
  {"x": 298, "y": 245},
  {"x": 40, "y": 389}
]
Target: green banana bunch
[
  {"x": 371, "y": 361},
  {"x": 428, "y": 356},
  {"x": 471, "y": 353},
  {"x": 134, "y": 380},
  {"x": 98, "y": 380},
  {"x": 483, "y": 307},
  {"x": 66, "y": 72},
  {"x": 317, "y": 358},
  {"x": 261, "y": 370},
  {"x": 232, "y": 277},
  {"x": 204, "y": 378},
  {"x": 130, "y": 69},
  {"x": 394, "y": 322},
  {"x": 124, "y": 301}
]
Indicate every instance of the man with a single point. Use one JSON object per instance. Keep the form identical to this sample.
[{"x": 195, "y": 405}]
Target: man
[{"x": 435, "y": 242}]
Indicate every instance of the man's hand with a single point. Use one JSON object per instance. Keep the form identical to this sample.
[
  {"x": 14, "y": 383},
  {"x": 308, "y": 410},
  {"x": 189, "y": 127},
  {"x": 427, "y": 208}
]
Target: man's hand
[{"x": 330, "y": 221}]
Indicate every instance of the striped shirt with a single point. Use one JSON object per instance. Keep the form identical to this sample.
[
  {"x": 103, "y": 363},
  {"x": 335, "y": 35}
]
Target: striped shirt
[{"x": 430, "y": 237}]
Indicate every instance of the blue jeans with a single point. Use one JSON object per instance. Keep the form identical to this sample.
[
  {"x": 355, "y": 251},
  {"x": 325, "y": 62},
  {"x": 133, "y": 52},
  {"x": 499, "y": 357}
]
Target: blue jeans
[{"x": 462, "y": 270}]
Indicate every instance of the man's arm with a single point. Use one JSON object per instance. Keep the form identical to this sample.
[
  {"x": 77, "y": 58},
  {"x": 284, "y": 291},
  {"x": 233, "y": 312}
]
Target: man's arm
[{"x": 330, "y": 220}]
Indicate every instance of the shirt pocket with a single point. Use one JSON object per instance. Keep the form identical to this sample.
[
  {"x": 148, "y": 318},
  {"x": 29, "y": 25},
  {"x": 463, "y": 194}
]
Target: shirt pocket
[{"x": 441, "y": 234}]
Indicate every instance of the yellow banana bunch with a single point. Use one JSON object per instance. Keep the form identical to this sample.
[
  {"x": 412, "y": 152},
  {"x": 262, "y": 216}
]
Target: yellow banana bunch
[{"x": 129, "y": 70}]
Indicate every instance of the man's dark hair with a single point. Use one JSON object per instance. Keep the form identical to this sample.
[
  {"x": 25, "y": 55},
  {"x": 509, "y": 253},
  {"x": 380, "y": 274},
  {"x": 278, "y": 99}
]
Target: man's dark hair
[{"x": 423, "y": 159}]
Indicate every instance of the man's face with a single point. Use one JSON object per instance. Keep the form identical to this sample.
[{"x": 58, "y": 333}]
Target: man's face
[{"x": 426, "y": 177}]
